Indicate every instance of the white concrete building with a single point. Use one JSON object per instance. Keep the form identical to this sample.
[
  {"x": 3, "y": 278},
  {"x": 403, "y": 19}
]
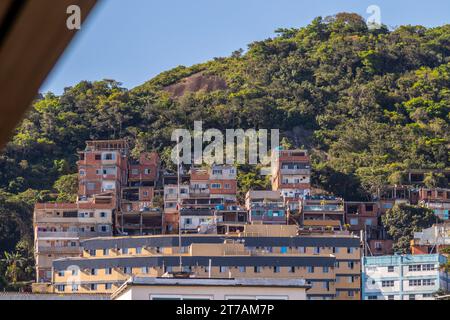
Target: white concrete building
[
  {"x": 150, "y": 288},
  {"x": 403, "y": 277}
]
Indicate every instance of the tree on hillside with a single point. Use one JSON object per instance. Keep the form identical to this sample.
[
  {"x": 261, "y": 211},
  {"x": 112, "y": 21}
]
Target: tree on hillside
[
  {"x": 67, "y": 188},
  {"x": 403, "y": 220},
  {"x": 17, "y": 266},
  {"x": 435, "y": 180}
]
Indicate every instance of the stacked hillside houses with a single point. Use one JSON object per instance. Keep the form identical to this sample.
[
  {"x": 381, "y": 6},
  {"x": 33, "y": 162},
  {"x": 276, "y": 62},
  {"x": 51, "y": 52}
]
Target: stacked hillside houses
[{"x": 132, "y": 212}]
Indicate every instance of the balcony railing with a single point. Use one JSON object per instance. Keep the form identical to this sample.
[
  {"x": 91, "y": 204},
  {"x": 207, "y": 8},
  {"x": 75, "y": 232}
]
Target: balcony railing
[
  {"x": 70, "y": 250},
  {"x": 268, "y": 205},
  {"x": 42, "y": 235},
  {"x": 323, "y": 208},
  {"x": 50, "y": 234},
  {"x": 195, "y": 192},
  {"x": 296, "y": 171},
  {"x": 70, "y": 220}
]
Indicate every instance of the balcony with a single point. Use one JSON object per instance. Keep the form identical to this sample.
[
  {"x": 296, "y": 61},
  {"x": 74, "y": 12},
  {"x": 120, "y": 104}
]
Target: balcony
[
  {"x": 61, "y": 250},
  {"x": 69, "y": 220},
  {"x": 199, "y": 192},
  {"x": 326, "y": 208},
  {"x": 267, "y": 205},
  {"x": 42, "y": 235},
  {"x": 296, "y": 172}
]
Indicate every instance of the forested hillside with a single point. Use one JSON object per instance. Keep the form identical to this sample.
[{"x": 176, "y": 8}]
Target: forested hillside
[{"x": 369, "y": 104}]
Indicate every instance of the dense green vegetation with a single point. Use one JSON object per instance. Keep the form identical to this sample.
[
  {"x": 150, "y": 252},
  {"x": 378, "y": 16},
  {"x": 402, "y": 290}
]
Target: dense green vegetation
[
  {"x": 370, "y": 104},
  {"x": 403, "y": 220}
]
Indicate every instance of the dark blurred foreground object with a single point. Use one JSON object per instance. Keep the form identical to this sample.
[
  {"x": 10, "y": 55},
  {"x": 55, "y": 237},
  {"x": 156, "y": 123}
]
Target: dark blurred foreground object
[{"x": 33, "y": 35}]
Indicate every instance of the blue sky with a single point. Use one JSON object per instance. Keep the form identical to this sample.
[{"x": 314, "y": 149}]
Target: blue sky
[{"x": 132, "y": 41}]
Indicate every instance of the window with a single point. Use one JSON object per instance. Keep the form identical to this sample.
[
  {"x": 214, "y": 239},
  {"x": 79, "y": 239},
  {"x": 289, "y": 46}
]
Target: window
[
  {"x": 301, "y": 249},
  {"x": 138, "y": 250},
  {"x": 93, "y": 287},
  {"x": 316, "y": 250},
  {"x": 92, "y": 253},
  {"x": 351, "y": 265},
  {"x": 188, "y": 221},
  {"x": 414, "y": 267},
  {"x": 127, "y": 270},
  {"x": 108, "y": 185},
  {"x": 354, "y": 221},
  {"x": 108, "y": 286},
  {"x": 124, "y": 250},
  {"x": 350, "y": 250},
  {"x": 415, "y": 283},
  {"x": 390, "y": 269},
  {"x": 106, "y": 252},
  {"x": 216, "y": 186},
  {"x": 428, "y": 267},
  {"x": 428, "y": 282},
  {"x": 391, "y": 297},
  {"x": 242, "y": 269},
  {"x": 103, "y": 214},
  {"x": 61, "y": 288},
  {"x": 369, "y": 207},
  {"x": 387, "y": 283},
  {"x": 98, "y": 157},
  {"x": 187, "y": 268},
  {"x": 134, "y": 172},
  {"x": 310, "y": 269},
  {"x": 351, "y": 293},
  {"x": 91, "y": 186},
  {"x": 147, "y": 171},
  {"x": 335, "y": 250},
  {"x": 372, "y": 298},
  {"x": 82, "y": 173},
  {"x": 292, "y": 270},
  {"x": 74, "y": 288},
  {"x": 223, "y": 269},
  {"x": 144, "y": 269},
  {"x": 108, "y": 271},
  {"x": 93, "y": 272},
  {"x": 276, "y": 269},
  {"x": 74, "y": 272},
  {"x": 109, "y": 156},
  {"x": 427, "y": 295},
  {"x": 227, "y": 186},
  {"x": 257, "y": 269},
  {"x": 325, "y": 269},
  {"x": 412, "y": 297}
]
